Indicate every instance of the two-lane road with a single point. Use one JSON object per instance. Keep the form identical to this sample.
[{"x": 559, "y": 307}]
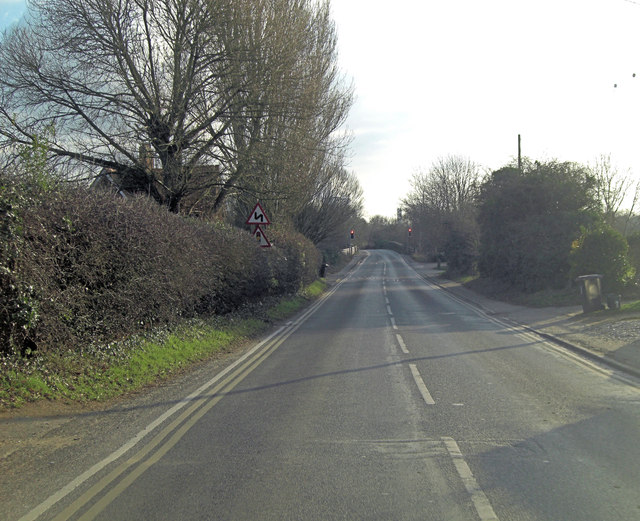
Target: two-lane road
[{"x": 387, "y": 400}]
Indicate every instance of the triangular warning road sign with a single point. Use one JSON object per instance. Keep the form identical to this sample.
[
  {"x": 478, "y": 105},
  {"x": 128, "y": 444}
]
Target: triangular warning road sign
[
  {"x": 261, "y": 238},
  {"x": 258, "y": 216}
]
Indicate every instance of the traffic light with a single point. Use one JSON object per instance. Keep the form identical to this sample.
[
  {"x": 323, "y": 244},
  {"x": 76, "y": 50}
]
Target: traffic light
[
  {"x": 353, "y": 234},
  {"x": 410, "y": 230}
]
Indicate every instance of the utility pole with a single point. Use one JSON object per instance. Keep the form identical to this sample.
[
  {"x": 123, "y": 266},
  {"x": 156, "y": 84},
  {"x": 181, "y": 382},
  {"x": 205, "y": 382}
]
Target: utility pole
[{"x": 519, "y": 154}]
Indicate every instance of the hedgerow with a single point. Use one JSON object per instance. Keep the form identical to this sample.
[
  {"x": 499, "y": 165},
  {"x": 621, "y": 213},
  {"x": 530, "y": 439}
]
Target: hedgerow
[{"x": 80, "y": 267}]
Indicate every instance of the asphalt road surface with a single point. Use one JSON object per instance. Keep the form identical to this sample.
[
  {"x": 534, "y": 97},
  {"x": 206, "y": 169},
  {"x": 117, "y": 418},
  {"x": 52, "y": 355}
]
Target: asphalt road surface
[{"x": 387, "y": 400}]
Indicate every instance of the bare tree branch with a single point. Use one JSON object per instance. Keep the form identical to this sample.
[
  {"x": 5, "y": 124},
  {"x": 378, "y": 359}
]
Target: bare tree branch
[{"x": 249, "y": 87}]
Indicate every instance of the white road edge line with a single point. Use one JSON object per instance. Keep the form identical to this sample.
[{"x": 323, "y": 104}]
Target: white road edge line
[
  {"x": 393, "y": 323},
  {"x": 426, "y": 395},
  {"x": 389, "y": 310},
  {"x": 539, "y": 340},
  {"x": 403, "y": 346},
  {"x": 43, "y": 507},
  {"x": 479, "y": 498}
]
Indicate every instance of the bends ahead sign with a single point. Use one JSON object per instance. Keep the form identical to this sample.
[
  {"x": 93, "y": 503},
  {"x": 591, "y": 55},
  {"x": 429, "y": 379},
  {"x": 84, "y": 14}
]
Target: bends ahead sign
[{"x": 258, "y": 216}]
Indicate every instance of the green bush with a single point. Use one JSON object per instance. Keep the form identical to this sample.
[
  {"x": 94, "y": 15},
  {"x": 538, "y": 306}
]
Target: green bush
[
  {"x": 634, "y": 251},
  {"x": 602, "y": 250},
  {"x": 528, "y": 219},
  {"x": 461, "y": 253},
  {"x": 79, "y": 267},
  {"x": 18, "y": 308},
  {"x": 294, "y": 261}
]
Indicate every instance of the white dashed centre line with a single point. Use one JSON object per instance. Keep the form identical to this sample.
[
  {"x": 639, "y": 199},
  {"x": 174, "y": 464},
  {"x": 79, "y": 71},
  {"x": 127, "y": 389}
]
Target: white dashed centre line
[
  {"x": 426, "y": 395},
  {"x": 480, "y": 500},
  {"x": 402, "y": 344}
]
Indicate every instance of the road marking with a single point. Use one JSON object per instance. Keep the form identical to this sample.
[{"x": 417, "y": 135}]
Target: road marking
[
  {"x": 540, "y": 339},
  {"x": 480, "y": 501},
  {"x": 393, "y": 323},
  {"x": 421, "y": 386},
  {"x": 387, "y": 301},
  {"x": 402, "y": 344},
  {"x": 195, "y": 396},
  {"x": 389, "y": 310},
  {"x": 200, "y": 396},
  {"x": 143, "y": 460}
]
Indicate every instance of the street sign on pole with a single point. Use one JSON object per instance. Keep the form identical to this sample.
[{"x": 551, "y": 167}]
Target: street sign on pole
[{"x": 258, "y": 217}]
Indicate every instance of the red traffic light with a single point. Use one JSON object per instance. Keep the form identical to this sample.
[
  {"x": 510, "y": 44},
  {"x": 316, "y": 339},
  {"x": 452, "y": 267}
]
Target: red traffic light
[
  {"x": 410, "y": 230},
  {"x": 353, "y": 234}
]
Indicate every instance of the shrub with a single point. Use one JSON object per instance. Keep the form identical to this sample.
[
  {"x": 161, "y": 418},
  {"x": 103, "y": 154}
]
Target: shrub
[
  {"x": 79, "y": 267},
  {"x": 294, "y": 261},
  {"x": 602, "y": 250},
  {"x": 634, "y": 251},
  {"x": 18, "y": 309},
  {"x": 528, "y": 219},
  {"x": 461, "y": 253}
]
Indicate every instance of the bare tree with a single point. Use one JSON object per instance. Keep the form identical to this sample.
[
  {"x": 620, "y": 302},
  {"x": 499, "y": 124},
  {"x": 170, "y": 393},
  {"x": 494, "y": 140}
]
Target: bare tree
[
  {"x": 191, "y": 83},
  {"x": 290, "y": 143},
  {"x": 442, "y": 198},
  {"x": 112, "y": 76},
  {"x": 611, "y": 186},
  {"x": 337, "y": 201}
]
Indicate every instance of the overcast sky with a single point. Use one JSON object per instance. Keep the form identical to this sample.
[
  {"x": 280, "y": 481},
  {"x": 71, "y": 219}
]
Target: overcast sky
[{"x": 440, "y": 77}]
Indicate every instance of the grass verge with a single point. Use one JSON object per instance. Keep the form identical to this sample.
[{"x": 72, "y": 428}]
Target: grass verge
[
  {"x": 539, "y": 299},
  {"x": 102, "y": 372},
  {"x": 569, "y": 296},
  {"x": 631, "y": 306}
]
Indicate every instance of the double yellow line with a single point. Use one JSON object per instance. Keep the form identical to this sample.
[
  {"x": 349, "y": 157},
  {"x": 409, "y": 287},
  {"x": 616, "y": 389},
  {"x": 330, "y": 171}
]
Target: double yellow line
[
  {"x": 166, "y": 439},
  {"x": 205, "y": 398}
]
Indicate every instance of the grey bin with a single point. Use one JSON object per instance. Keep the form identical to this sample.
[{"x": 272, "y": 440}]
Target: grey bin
[
  {"x": 591, "y": 292},
  {"x": 614, "y": 301}
]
